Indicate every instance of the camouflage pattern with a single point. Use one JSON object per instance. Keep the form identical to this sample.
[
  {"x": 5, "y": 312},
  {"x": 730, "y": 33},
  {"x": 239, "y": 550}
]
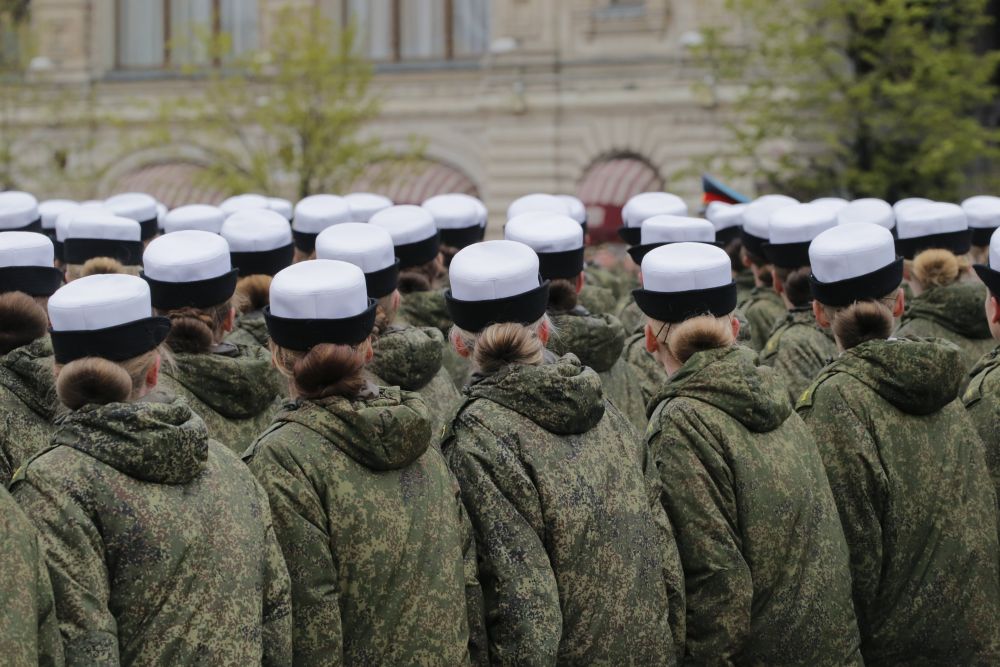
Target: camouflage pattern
[
  {"x": 28, "y": 404},
  {"x": 235, "y": 390},
  {"x": 426, "y": 309},
  {"x": 798, "y": 350},
  {"x": 29, "y": 631},
  {"x": 762, "y": 310},
  {"x": 620, "y": 282},
  {"x": 954, "y": 313},
  {"x": 916, "y": 502},
  {"x": 631, "y": 317},
  {"x": 597, "y": 299},
  {"x": 250, "y": 329},
  {"x": 577, "y": 562},
  {"x": 645, "y": 370},
  {"x": 598, "y": 341},
  {"x": 410, "y": 358},
  {"x": 380, "y": 553},
  {"x": 744, "y": 285},
  {"x": 159, "y": 542},
  {"x": 982, "y": 401},
  {"x": 764, "y": 556}
]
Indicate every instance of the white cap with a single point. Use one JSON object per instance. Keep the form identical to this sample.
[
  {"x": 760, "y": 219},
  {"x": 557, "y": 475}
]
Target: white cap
[
  {"x": 364, "y": 205},
  {"x": 850, "y": 251},
  {"x": 684, "y": 267},
  {"x": 928, "y": 219},
  {"x": 50, "y": 209},
  {"x": 133, "y": 205},
  {"x": 320, "y": 289},
  {"x": 64, "y": 218},
  {"x": 995, "y": 251},
  {"x": 493, "y": 270},
  {"x": 545, "y": 232},
  {"x": 800, "y": 223},
  {"x": 906, "y": 203},
  {"x": 453, "y": 211},
  {"x": 317, "y": 212},
  {"x": 677, "y": 229},
  {"x": 983, "y": 211},
  {"x": 406, "y": 224},
  {"x": 870, "y": 210},
  {"x": 17, "y": 210},
  {"x": 537, "y": 202},
  {"x": 26, "y": 249},
  {"x": 99, "y": 302},
  {"x": 280, "y": 206},
  {"x": 647, "y": 204},
  {"x": 369, "y": 247},
  {"x": 201, "y": 217},
  {"x": 757, "y": 216},
  {"x": 835, "y": 204},
  {"x": 480, "y": 207},
  {"x": 96, "y": 224},
  {"x": 725, "y": 216},
  {"x": 186, "y": 256},
  {"x": 577, "y": 209},
  {"x": 243, "y": 202},
  {"x": 256, "y": 230},
  {"x": 161, "y": 213}
]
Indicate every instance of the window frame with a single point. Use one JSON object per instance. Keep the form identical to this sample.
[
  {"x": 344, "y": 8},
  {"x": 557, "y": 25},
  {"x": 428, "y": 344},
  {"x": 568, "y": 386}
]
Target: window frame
[
  {"x": 167, "y": 63},
  {"x": 396, "y": 34}
]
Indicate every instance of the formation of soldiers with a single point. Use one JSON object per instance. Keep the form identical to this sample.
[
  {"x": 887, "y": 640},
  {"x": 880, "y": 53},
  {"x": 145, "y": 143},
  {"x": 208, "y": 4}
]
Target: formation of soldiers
[{"x": 351, "y": 432}]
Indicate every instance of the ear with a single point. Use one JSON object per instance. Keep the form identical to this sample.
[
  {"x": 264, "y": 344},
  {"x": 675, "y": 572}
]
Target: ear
[
  {"x": 397, "y": 298},
  {"x": 736, "y": 327},
  {"x": 820, "y": 314},
  {"x": 580, "y": 280},
  {"x": 230, "y": 322},
  {"x": 459, "y": 345},
  {"x": 995, "y": 304},
  {"x": 543, "y": 332},
  {"x": 779, "y": 287},
  {"x": 900, "y": 305},
  {"x": 153, "y": 374},
  {"x": 369, "y": 351},
  {"x": 652, "y": 345},
  {"x": 906, "y": 271}
]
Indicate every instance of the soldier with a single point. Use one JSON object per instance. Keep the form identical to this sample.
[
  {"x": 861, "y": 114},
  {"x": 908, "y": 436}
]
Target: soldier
[
  {"x": 231, "y": 387},
  {"x": 577, "y": 562},
  {"x": 596, "y": 340},
  {"x": 364, "y": 205},
  {"x": 379, "y": 550},
  {"x": 158, "y": 541},
  {"x": 905, "y": 464},
  {"x": 765, "y": 562},
  {"x": 260, "y": 245},
  {"x": 728, "y": 222},
  {"x": 312, "y": 215},
  {"x": 405, "y": 356},
  {"x": 19, "y": 212},
  {"x": 200, "y": 217},
  {"x": 935, "y": 239},
  {"x": 27, "y": 395},
  {"x": 763, "y": 309},
  {"x": 139, "y": 207},
  {"x": 97, "y": 242},
  {"x": 983, "y": 214},
  {"x": 49, "y": 211},
  {"x": 870, "y": 210},
  {"x": 798, "y": 348}
]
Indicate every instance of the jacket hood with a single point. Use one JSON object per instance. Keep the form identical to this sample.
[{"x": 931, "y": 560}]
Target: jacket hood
[
  {"x": 957, "y": 307},
  {"x": 917, "y": 376},
  {"x": 236, "y": 380},
  {"x": 254, "y": 324},
  {"x": 597, "y": 340},
  {"x": 386, "y": 430},
  {"x": 27, "y": 373},
  {"x": 730, "y": 380},
  {"x": 564, "y": 397},
  {"x": 165, "y": 443},
  {"x": 426, "y": 309},
  {"x": 408, "y": 357}
]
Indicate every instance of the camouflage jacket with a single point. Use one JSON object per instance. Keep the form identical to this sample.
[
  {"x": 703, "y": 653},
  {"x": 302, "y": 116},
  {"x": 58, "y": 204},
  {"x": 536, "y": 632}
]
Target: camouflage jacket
[
  {"x": 29, "y": 631},
  {"x": 763, "y": 310},
  {"x": 764, "y": 556},
  {"x": 954, "y": 313},
  {"x": 643, "y": 367},
  {"x": 745, "y": 285},
  {"x": 159, "y": 542},
  {"x": 426, "y": 309},
  {"x": 631, "y": 317},
  {"x": 576, "y": 561},
  {"x": 250, "y": 329},
  {"x": 380, "y": 553},
  {"x": 410, "y": 358},
  {"x": 598, "y": 341},
  {"x": 28, "y": 404},
  {"x": 597, "y": 299},
  {"x": 798, "y": 350},
  {"x": 620, "y": 282},
  {"x": 234, "y": 390},
  {"x": 916, "y": 502},
  {"x": 982, "y": 401}
]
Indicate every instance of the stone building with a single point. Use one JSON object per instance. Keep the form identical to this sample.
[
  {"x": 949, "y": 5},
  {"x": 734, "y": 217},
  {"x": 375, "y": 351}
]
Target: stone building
[{"x": 591, "y": 97}]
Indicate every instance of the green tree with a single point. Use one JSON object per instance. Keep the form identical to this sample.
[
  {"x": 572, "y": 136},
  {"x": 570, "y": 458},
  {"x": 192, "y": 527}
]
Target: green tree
[{"x": 881, "y": 98}]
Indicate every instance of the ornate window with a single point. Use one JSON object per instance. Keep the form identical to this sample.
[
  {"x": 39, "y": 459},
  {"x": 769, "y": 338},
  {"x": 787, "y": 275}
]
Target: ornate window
[{"x": 404, "y": 30}]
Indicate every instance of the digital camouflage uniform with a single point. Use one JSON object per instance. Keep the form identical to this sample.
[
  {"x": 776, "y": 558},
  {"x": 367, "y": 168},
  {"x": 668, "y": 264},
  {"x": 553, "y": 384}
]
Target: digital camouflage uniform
[
  {"x": 631, "y": 317},
  {"x": 234, "y": 390},
  {"x": 598, "y": 341},
  {"x": 159, "y": 542},
  {"x": 762, "y": 310},
  {"x": 620, "y": 282},
  {"x": 410, "y": 358},
  {"x": 250, "y": 329},
  {"x": 597, "y": 299},
  {"x": 766, "y": 564},
  {"x": 380, "y": 553},
  {"x": 982, "y": 401},
  {"x": 28, "y": 404},
  {"x": 916, "y": 502},
  {"x": 745, "y": 284},
  {"x": 29, "y": 631},
  {"x": 798, "y": 350},
  {"x": 429, "y": 309},
  {"x": 576, "y": 560}
]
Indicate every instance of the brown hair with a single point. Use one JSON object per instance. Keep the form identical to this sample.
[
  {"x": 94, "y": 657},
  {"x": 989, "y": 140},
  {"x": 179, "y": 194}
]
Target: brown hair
[
  {"x": 448, "y": 253},
  {"x": 101, "y": 381},
  {"x": 762, "y": 264},
  {"x": 500, "y": 345},
  {"x": 24, "y": 320},
  {"x": 796, "y": 284},
  {"x": 254, "y": 292},
  {"x": 325, "y": 370},
  {"x": 420, "y": 278},
  {"x": 862, "y": 321},
  {"x": 734, "y": 249},
  {"x": 385, "y": 313},
  {"x": 938, "y": 268},
  {"x": 562, "y": 295},
  {"x": 196, "y": 330},
  {"x": 683, "y": 340},
  {"x": 98, "y": 266}
]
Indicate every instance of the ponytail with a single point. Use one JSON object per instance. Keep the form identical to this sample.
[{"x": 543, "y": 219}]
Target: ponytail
[
  {"x": 500, "y": 345},
  {"x": 685, "y": 339},
  {"x": 23, "y": 320},
  {"x": 562, "y": 296},
  {"x": 254, "y": 292},
  {"x": 419, "y": 278},
  {"x": 325, "y": 370},
  {"x": 862, "y": 321},
  {"x": 938, "y": 268},
  {"x": 197, "y": 330},
  {"x": 99, "y": 381},
  {"x": 763, "y": 267},
  {"x": 98, "y": 266}
]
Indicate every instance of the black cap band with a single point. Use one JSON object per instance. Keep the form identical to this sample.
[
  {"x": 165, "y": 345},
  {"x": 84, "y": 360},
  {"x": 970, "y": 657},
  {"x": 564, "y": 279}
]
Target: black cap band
[
  {"x": 990, "y": 278},
  {"x": 727, "y": 235},
  {"x": 35, "y": 226},
  {"x": 150, "y": 228},
  {"x": 675, "y": 307},
  {"x": 787, "y": 255},
  {"x": 981, "y": 236},
  {"x": 304, "y": 241},
  {"x": 58, "y": 249},
  {"x": 32, "y": 280},
  {"x": 558, "y": 265},
  {"x": 959, "y": 242},
  {"x": 382, "y": 282},
  {"x": 302, "y": 335},
  {"x": 195, "y": 294},
  {"x": 474, "y": 316},
  {"x": 874, "y": 285},
  {"x": 263, "y": 262},
  {"x": 460, "y": 238},
  {"x": 78, "y": 251},
  {"x": 630, "y": 235},
  {"x": 117, "y": 343},
  {"x": 753, "y": 244},
  {"x": 418, "y": 253}
]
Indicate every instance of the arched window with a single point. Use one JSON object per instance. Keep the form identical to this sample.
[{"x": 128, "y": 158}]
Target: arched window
[
  {"x": 398, "y": 30},
  {"x": 414, "y": 183},
  {"x": 607, "y": 184},
  {"x": 171, "y": 183}
]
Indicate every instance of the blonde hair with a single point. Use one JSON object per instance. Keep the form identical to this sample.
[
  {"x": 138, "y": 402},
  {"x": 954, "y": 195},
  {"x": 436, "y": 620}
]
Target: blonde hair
[
  {"x": 254, "y": 292},
  {"x": 682, "y": 340},
  {"x": 324, "y": 370},
  {"x": 938, "y": 268},
  {"x": 98, "y": 266},
  {"x": 23, "y": 320},
  {"x": 96, "y": 380},
  {"x": 385, "y": 313},
  {"x": 500, "y": 345},
  {"x": 862, "y": 320}
]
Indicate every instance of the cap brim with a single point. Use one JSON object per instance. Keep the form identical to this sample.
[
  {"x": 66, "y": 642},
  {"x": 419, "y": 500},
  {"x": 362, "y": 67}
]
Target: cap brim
[
  {"x": 679, "y": 306},
  {"x": 630, "y": 235},
  {"x": 959, "y": 243},
  {"x": 474, "y": 316},
  {"x": 383, "y": 282},
  {"x": 32, "y": 280},
  {"x": 787, "y": 255},
  {"x": 561, "y": 265},
  {"x": 990, "y": 278},
  {"x": 874, "y": 285},
  {"x": 302, "y": 335},
  {"x": 118, "y": 343},
  {"x": 195, "y": 294},
  {"x": 265, "y": 262}
]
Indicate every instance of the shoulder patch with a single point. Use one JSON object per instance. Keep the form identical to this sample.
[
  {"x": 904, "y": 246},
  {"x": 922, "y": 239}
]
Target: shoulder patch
[{"x": 806, "y": 400}]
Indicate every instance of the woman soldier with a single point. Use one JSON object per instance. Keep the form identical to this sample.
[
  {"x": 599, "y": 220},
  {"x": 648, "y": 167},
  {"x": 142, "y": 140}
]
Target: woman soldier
[
  {"x": 983, "y": 214},
  {"x": 158, "y": 541},
  {"x": 27, "y": 395},
  {"x": 380, "y": 554},
  {"x": 798, "y": 348},
  {"x": 312, "y": 215},
  {"x": 765, "y": 563},
  {"x": 231, "y": 387},
  {"x": 576, "y": 561},
  {"x": 405, "y": 356},
  {"x": 905, "y": 463},
  {"x": 97, "y": 242}
]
